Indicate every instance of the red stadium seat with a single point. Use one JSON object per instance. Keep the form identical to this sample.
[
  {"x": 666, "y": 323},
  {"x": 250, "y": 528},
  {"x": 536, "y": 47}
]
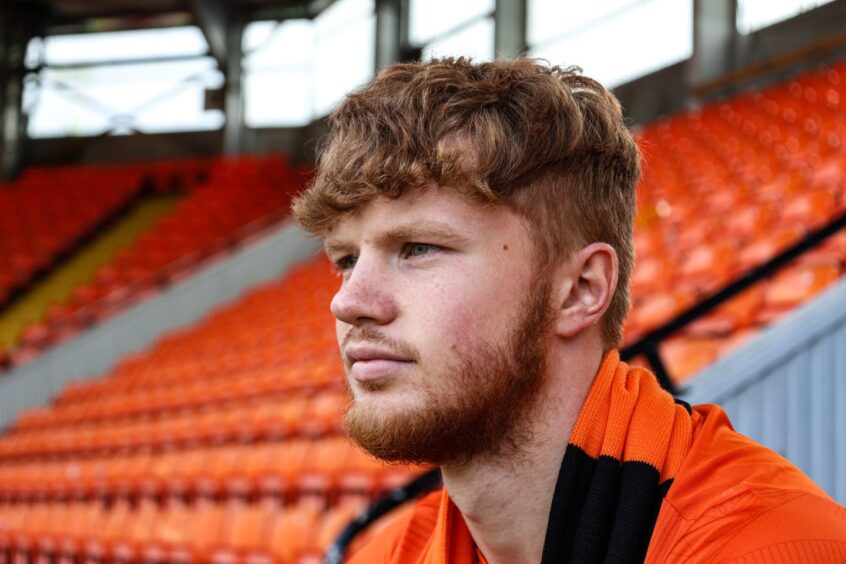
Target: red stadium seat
[
  {"x": 291, "y": 532},
  {"x": 247, "y": 533},
  {"x": 204, "y": 533}
]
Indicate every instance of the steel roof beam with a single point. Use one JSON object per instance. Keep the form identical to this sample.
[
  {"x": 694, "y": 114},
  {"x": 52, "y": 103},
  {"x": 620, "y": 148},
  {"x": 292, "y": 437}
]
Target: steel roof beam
[{"x": 213, "y": 17}]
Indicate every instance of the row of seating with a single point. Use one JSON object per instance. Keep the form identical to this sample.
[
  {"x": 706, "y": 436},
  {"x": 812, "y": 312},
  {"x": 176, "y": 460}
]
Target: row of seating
[
  {"x": 327, "y": 468},
  {"x": 47, "y": 211},
  {"x": 270, "y": 418},
  {"x": 237, "y": 194},
  {"x": 181, "y": 175},
  {"x": 739, "y": 320},
  {"x": 204, "y": 532},
  {"x": 279, "y": 335},
  {"x": 183, "y": 397},
  {"x": 726, "y": 188},
  {"x": 56, "y": 286},
  {"x": 235, "y": 199}
]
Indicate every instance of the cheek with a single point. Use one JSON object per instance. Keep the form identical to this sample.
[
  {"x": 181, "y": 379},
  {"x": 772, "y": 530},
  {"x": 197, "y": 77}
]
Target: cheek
[
  {"x": 461, "y": 327},
  {"x": 463, "y": 315}
]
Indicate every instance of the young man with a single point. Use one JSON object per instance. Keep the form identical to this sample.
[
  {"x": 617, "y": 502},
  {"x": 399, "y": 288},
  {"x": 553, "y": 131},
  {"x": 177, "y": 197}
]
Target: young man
[{"x": 481, "y": 218}]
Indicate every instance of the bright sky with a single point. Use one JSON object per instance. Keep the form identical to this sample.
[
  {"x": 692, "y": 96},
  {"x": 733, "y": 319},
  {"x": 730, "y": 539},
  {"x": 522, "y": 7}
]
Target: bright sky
[{"x": 296, "y": 71}]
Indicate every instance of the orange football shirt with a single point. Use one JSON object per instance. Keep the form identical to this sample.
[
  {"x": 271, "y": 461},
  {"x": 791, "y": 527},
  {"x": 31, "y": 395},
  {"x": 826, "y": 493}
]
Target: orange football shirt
[{"x": 723, "y": 497}]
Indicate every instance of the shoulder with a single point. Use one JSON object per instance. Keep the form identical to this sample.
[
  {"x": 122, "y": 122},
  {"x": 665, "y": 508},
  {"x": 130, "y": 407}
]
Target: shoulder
[
  {"x": 403, "y": 537},
  {"x": 734, "y": 498},
  {"x": 801, "y": 527}
]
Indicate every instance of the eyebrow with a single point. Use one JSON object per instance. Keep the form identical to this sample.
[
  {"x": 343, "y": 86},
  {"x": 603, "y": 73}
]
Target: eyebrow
[{"x": 423, "y": 231}]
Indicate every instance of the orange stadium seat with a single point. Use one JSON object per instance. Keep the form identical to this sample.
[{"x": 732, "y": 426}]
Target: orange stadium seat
[
  {"x": 737, "y": 313},
  {"x": 105, "y": 537},
  {"x": 325, "y": 463},
  {"x": 291, "y": 532},
  {"x": 168, "y": 535},
  {"x": 244, "y": 479},
  {"x": 284, "y": 464},
  {"x": 795, "y": 286},
  {"x": 654, "y": 311},
  {"x": 205, "y": 529},
  {"x": 685, "y": 356},
  {"x": 136, "y": 532},
  {"x": 247, "y": 533},
  {"x": 709, "y": 267},
  {"x": 331, "y": 523},
  {"x": 84, "y": 520}
]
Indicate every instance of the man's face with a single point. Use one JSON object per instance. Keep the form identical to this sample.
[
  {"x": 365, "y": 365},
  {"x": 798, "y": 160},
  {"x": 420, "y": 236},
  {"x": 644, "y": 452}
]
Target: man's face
[{"x": 443, "y": 325}]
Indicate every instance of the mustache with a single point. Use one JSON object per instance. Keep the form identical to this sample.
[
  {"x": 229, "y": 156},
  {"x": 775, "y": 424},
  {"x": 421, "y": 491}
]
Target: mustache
[{"x": 367, "y": 335}]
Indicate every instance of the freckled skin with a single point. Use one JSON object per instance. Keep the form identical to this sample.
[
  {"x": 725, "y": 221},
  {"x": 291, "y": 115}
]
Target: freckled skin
[{"x": 441, "y": 304}]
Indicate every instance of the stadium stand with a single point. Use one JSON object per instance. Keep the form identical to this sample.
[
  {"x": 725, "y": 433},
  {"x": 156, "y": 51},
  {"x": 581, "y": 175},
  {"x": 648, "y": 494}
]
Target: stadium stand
[
  {"x": 48, "y": 213},
  {"x": 202, "y": 532},
  {"x": 222, "y": 441},
  {"x": 22, "y": 319},
  {"x": 230, "y": 426},
  {"x": 730, "y": 186},
  {"x": 226, "y": 202}
]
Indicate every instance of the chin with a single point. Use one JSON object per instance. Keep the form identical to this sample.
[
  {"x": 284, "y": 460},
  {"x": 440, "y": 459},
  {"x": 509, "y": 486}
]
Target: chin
[
  {"x": 386, "y": 399},
  {"x": 372, "y": 386}
]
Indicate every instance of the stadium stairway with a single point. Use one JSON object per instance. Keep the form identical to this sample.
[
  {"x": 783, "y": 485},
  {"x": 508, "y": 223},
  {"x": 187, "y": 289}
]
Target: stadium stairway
[
  {"x": 225, "y": 201},
  {"x": 48, "y": 212},
  {"x": 56, "y": 288}
]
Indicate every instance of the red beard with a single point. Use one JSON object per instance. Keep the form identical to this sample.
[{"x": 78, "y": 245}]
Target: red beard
[{"x": 485, "y": 413}]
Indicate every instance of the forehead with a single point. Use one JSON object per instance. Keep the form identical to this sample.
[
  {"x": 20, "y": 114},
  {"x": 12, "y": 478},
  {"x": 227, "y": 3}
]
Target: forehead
[{"x": 434, "y": 208}]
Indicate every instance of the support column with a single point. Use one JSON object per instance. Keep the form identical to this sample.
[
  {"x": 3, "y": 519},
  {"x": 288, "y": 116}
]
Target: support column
[
  {"x": 212, "y": 18},
  {"x": 17, "y": 25},
  {"x": 715, "y": 40},
  {"x": 389, "y": 32},
  {"x": 510, "y": 29},
  {"x": 233, "y": 131}
]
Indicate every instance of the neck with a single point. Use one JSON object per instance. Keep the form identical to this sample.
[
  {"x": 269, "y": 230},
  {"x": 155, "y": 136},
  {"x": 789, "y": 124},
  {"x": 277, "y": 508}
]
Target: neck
[{"x": 506, "y": 504}]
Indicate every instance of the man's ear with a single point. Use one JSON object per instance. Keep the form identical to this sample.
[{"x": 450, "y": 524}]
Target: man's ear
[{"x": 586, "y": 284}]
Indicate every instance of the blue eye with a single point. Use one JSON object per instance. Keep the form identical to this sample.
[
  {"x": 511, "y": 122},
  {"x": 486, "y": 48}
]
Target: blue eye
[
  {"x": 346, "y": 263},
  {"x": 418, "y": 249}
]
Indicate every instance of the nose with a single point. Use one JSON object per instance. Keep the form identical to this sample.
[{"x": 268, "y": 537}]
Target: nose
[{"x": 364, "y": 297}]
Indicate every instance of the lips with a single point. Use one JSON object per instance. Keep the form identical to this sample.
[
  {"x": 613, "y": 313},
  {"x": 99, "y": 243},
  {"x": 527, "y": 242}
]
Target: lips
[
  {"x": 357, "y": 353},
  {"x": 369, "y": 362}
]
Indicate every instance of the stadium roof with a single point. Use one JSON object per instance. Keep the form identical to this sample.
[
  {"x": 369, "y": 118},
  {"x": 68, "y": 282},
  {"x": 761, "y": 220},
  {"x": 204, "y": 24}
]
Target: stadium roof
[
  {"x": 214, "y": 17},
  {"x": 100, "y": 15}
]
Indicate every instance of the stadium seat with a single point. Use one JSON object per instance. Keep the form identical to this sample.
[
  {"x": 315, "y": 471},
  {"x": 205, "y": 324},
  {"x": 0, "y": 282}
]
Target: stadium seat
[
  {"x": 247, "y": 533},
  {"x": 205, "y": 530},
  {"x": 169, "y": 533},
  {"x": 292, "y": 531}
]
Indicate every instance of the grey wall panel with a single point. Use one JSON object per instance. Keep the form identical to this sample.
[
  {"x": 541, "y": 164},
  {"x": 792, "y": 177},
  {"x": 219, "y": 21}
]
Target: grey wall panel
[
  {"x": 95, "y": 351},
  {"x": 787, "y": 389},
  {"x": 838, "y": 423}
]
